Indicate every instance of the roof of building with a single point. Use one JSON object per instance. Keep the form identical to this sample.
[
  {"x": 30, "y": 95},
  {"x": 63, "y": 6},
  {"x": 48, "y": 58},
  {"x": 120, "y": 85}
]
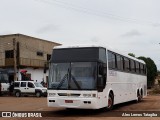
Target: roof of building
[{"x": 18, "y": 34}]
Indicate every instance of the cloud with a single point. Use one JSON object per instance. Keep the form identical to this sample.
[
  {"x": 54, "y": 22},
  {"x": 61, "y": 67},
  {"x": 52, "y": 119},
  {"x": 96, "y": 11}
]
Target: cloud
[
  {"x": 47, "y": 28},
  {"x": 132, "y": 33},
  {"x": 94, "y": 39},
  {"x": 156, "y": 25}
]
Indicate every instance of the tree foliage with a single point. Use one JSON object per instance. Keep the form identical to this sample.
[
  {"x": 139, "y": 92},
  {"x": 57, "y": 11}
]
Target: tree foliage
[
  {"x": 151, "y": 70},
  {"x": 131, "y": 54}
]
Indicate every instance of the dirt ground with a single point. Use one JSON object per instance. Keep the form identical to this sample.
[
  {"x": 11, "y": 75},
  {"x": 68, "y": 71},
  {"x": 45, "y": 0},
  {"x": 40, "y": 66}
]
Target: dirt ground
[{"x": 150, "y": 104}]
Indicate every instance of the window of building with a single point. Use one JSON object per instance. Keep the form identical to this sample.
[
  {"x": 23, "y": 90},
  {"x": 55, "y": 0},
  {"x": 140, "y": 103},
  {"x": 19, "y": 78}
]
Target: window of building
[
  {"x": 48, "y": 57},
  {"x": 9, "y": 54},
  {"x": 39, "y": 53}
]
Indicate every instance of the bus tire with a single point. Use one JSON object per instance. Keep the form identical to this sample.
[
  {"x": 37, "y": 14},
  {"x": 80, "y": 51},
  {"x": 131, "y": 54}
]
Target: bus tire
[
  {"x": 110, "y": 101},
  {"x": 18, "y": 94},
  {"x": 141, "y": 93},
  {"x": 139, "y": 96}
]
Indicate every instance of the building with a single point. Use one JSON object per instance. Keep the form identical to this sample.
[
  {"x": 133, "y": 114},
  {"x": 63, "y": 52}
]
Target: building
[{"x": 21, "y": 52}]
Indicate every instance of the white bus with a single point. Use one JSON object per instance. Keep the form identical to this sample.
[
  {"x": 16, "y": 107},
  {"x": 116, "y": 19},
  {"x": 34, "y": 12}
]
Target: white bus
[{"x": 94, "y": 77}]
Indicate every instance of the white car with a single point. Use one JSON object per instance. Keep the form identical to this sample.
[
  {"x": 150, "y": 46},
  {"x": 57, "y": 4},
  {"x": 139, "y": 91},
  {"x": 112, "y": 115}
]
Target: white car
[{"x": 29, "y": 88}]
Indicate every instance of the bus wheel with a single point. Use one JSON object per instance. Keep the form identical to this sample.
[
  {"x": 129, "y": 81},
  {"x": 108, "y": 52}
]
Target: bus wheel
[
  {"x": 110, "y": 102},
  {"x": 139, "y": 96}
]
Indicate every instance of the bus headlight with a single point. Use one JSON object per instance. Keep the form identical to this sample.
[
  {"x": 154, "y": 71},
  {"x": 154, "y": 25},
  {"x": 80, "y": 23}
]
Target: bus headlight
[{"x": 51, "y": 94}]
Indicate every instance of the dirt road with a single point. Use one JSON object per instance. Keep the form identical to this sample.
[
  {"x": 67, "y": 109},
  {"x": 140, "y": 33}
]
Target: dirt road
[{"x": 150, "y": 104}]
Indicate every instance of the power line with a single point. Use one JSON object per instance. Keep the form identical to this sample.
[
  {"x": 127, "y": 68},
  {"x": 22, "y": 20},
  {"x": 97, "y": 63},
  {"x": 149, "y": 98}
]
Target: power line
[{"x": 105, "y": 14}]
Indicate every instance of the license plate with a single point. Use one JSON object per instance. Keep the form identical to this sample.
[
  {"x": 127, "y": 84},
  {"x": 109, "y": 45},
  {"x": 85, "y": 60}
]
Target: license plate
[{"x": 68, "y": 101}]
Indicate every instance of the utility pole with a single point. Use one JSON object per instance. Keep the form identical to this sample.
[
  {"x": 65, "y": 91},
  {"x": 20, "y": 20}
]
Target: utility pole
[{"x": 15, "y": 59}]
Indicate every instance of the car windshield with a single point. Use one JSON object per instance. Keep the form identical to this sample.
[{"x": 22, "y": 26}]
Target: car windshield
[
  {"x": 3, "y": 78},
  {"x": 73, "y": 76},
  {"x": 38, "y": 84}
]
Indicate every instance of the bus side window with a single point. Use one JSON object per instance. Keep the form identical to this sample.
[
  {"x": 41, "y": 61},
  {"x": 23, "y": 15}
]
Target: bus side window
[
  {"x": 145, "y": 69},
  {"x": 111, "y": 60},
  {"x": 142, "y": 68},
  {"x": 137, "y": 67},
  {"x": 118, "y": 62},
  {"x": 127, "y": 64},
  {"x": 132, "y": 65},
  {"x": 122, "y": 63}
]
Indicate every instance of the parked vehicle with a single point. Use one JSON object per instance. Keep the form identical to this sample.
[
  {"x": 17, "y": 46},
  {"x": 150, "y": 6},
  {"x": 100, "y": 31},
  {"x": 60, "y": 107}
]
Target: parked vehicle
[
  {"x": 94, "y": 77},
  {"x": 4, "y": 82},
  {"x": 29, "y": 88}
]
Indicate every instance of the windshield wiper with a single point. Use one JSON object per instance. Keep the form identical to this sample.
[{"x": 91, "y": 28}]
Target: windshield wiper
[
  {"x": 63, "y": 79},
  {"x": 75, "y": 81},
  {"x": 68, "y": 77}
]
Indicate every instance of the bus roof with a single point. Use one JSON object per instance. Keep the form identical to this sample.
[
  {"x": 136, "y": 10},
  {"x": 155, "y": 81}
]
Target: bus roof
[{"x": 102, "y": 46}]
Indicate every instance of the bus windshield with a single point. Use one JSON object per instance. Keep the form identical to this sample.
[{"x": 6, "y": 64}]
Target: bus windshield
[
  {"x": 73, "y": 76},
  {"x": 3, "y": 78}
]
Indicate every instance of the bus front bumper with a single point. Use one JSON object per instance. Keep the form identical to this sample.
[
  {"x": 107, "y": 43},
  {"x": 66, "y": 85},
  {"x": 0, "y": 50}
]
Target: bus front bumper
[{"x": 70, "y": 102}]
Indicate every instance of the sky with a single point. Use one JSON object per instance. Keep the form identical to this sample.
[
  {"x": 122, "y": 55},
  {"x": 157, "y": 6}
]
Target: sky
[{"x": 128, "y": 26}]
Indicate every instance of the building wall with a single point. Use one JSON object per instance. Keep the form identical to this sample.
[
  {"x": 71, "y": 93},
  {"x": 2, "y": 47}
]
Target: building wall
[
  {"x": 36, "y": 74},
  {"x": 27, "y": 59},
  {"x": 28, "y": 48},
  {"x": 5, "y": 44}
]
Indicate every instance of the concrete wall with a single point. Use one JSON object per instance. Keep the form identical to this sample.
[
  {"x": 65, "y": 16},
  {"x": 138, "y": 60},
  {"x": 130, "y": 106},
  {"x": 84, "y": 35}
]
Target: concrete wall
[
  {"x": 28, "y": 48},
  {"x": 36, "y": 74}
]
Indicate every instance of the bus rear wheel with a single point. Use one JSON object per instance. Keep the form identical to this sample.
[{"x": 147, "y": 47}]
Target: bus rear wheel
[{"x": 139, "y": 96}]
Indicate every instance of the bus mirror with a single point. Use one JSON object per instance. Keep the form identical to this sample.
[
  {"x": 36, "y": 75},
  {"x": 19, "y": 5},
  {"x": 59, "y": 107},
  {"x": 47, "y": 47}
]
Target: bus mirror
[
  {"x": 100, "y": 82},
  {"x": 102, "y": 69}
]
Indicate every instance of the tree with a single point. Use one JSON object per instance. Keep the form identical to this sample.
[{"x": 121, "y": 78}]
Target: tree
[
  {"x": 131, "y": 54},
  {"x": 151, "y": 70}
]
